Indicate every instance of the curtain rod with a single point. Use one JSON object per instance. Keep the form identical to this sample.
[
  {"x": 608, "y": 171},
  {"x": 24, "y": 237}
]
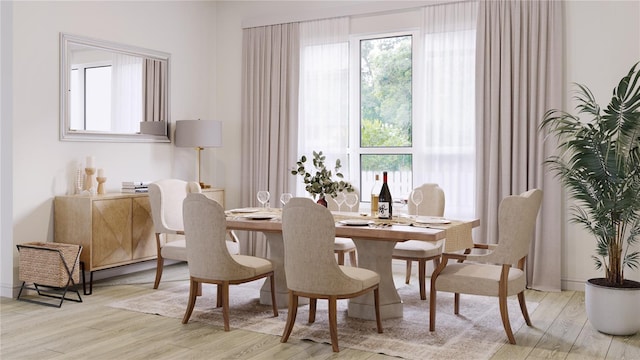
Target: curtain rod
[{"x": 368, "y": 8}]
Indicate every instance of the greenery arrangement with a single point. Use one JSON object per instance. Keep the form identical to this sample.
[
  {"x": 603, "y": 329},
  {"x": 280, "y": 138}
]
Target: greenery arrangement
[
  {"x": 321, "y": 183},
  {"x": 599, "y": 165}
]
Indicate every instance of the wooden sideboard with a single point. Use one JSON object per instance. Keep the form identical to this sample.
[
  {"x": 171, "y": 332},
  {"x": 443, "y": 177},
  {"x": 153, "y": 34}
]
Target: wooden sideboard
[{"x": 114, "y": 229}]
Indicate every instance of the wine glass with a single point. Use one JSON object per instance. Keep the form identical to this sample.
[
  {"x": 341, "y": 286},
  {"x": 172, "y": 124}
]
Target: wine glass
[
  {"x": 351, "y": 199},
  {"x": 416, "y": 198},
  {"x": 263, "y": 197},
  {"x": 285, "y": 197},
  {"x": 340, "y": 199}
]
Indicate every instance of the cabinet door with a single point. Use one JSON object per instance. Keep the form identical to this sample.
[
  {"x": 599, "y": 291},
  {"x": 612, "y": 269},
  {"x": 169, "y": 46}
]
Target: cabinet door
[
  {"x": 215, "y": 194},
  {"x": 111, "y": 231},
  {"x": 143, "y": 234}
]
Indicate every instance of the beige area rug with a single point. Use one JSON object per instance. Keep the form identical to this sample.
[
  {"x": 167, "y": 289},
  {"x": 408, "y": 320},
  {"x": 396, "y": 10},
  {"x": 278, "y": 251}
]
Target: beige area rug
[{"x": 476, "y": 333}]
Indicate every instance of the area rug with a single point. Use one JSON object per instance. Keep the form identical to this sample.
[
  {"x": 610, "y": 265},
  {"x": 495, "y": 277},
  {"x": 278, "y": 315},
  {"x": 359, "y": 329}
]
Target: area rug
[{"x": 476, "y": 333}]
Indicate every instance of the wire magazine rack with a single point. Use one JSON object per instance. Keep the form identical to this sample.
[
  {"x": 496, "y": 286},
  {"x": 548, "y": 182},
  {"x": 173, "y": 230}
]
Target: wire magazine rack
[{"x": 52, "y": 269}]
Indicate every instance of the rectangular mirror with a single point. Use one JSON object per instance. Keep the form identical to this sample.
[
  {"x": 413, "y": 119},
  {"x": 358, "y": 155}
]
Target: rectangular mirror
[{"x": 112, "y": 92}]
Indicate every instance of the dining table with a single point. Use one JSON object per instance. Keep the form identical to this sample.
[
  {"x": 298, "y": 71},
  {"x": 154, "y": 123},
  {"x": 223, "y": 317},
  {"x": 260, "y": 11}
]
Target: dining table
[{"x": 374, "y": 239}]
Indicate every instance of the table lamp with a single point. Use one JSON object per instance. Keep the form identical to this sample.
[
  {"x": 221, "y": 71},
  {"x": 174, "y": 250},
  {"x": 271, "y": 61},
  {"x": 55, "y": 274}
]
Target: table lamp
[{"x": 199, "y": 134}]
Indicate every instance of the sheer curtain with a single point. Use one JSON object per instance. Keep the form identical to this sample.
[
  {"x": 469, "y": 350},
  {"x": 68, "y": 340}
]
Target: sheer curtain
[
  {"x": 270, "y": 56},
  {"x": 519, "y": 77},
  {"x": 126, "y": 93},
  {"x": 447, "y": 116},
  {"x": 323, "y": 103}
]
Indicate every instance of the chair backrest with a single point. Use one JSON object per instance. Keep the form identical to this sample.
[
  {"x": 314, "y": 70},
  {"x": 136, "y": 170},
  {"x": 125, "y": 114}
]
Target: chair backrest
[
  {"x": 333, "y": 206},
  {"x": 517, "y": 216},
  {"x": 432, "y": 201},
  {"x": 308, "y": 231},
  {"x": 165, "y": 197},
  {"x": 205, "y": 230}
]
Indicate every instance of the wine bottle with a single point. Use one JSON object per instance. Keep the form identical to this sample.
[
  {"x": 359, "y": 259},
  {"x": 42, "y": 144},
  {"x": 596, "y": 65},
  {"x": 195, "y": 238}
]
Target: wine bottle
[
  {"x": 375, "y": 192},
  {"x": 385, "y": 203}
]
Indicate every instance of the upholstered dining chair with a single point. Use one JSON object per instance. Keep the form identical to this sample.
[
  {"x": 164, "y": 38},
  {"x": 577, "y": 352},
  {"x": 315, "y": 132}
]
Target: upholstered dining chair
[
  {"x": 500, "y": 271},
  {"x": 343, "y": 246},
  {"x": 308, "y": 231},
  {"x": 166, "y": 197},
  {"x": 209, "y": 259},
  {"x": 422, "y": 251}
]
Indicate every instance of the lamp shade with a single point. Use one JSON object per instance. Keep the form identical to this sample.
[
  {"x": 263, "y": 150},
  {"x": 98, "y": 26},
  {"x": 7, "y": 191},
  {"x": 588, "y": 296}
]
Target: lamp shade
[{"x": 198, "y": 133}]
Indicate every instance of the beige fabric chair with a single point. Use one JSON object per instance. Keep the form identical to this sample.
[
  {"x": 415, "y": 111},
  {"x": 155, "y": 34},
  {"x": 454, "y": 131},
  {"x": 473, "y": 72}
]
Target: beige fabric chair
[
  {"x": 166, "y": 197},
  {"x": 422, "y": 251},
  {"x": 209, "y": 259},
  {"x": 343, "y": 246},
  {"x": 493, "y": 273},
  {"x": 308, "y": 230}
]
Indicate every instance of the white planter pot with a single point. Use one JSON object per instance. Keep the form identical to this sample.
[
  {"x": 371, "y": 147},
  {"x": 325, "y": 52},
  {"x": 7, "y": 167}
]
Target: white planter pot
[{"x": 613, "y": 311}]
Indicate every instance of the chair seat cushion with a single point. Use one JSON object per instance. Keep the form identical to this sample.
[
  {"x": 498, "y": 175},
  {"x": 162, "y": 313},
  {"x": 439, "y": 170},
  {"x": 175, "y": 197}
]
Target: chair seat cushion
[
  {"x": 417, "y": 249},
  {"x": 366, "y": 278},
  {"x": 478, "y": 279},
  {"x": 175, "y": 250},
  {"x": 260, "y": 265},
  {"x": 343, "y": 244}
]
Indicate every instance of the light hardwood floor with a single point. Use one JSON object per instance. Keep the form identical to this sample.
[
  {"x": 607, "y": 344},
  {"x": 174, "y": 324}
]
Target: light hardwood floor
[{"x": 94, "y": 330}]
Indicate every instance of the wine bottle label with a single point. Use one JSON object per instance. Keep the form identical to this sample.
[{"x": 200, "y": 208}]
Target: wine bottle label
[
  {"x": 374, "y": 204},
  {"x": 384, "y": 210}
]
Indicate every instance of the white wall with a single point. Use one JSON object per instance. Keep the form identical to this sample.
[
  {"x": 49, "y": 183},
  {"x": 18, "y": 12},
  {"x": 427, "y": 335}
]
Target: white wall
[{"x": 42, "y": 164}]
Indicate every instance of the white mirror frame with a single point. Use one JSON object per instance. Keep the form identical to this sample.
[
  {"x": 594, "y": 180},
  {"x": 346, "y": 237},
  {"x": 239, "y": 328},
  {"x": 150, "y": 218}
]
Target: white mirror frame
[{"x": 66, "y": 134}]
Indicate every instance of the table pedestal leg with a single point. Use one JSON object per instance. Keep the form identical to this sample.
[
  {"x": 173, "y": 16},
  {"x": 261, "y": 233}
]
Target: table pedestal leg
[
  {"x": 276, "y": 255},
  {"x": 376, "y": 256}
]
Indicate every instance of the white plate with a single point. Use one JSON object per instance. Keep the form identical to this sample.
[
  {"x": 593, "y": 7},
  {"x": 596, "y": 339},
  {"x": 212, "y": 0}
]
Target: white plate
[
  {"x": 355, "y": 222},
  {"x": 261, "y": 216},
  {"x": 432, "y": 220},
  {"x": 245, "y": 210}
]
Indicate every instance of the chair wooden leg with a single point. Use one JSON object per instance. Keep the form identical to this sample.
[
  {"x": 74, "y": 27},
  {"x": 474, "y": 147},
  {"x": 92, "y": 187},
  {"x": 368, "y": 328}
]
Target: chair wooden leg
[
  {"x": 159, "y": 267},
  {"x": 291, "y": 316},
  {"x": 456, "y": 303},
  {"x": 523, "y": 308},
  {"x": 313, "y": 303},
  {"x": 273, "y": 295},
  {"x": 340, "y": 257},
  {"x": 432, "y": 306},
  {"x": 219, "y": 295},
  {"x": 199, "y": 289},
  {"x": 422, "y": 278},
  {"x": 408, "y": 274},
  {"x": 225, "y": 304},
  {"x": 333, "y": 322},
  {"x": 376, "y": 304},
  {"x": 193, "y": 286},
  {"x": 353, "y": 258},
  {"x": 504, "y": 314}
]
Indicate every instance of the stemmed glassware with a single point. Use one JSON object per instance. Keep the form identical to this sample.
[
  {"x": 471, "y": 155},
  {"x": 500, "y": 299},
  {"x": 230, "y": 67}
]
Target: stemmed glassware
[
  {"x": 340, "y": 199},
  {"x": 285, "y": 197},
  {"x": 351, "y": 199},
  {"x": 416, "y": 198},
  {"x": 263, "y": 197}
]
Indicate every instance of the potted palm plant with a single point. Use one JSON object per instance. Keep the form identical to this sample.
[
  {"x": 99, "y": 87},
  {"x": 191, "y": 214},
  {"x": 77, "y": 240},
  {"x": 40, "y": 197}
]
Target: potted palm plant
[
  {"x": 599, "y": 166},
  {"x": 321, "y": 183}
]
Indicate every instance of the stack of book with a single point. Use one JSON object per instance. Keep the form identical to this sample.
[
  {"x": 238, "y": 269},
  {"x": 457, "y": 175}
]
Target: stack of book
[{"x": 135, "y": 186}]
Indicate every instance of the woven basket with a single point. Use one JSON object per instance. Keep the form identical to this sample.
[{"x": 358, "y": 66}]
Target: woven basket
[{"x": 47, "y": 268}]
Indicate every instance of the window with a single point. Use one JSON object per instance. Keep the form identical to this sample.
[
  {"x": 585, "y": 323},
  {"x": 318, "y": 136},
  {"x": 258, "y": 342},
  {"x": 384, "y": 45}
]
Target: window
[
  {"x": 385, "y": 112},
  {"x": 91, "y": 97}
]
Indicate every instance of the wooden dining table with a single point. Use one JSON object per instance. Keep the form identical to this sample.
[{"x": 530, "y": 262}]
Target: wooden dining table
[{"x": 374, "y": 240}]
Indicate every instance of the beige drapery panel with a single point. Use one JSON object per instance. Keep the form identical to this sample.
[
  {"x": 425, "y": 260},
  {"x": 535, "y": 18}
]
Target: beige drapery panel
[
  {"x": 270, "y": 63},
  {"x": 155, "y": 88},
  {"x": 519, "y": 76}
]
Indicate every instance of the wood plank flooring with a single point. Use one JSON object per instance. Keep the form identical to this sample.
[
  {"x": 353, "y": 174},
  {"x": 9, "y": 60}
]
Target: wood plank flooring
[{"x": 94, "y": 330}]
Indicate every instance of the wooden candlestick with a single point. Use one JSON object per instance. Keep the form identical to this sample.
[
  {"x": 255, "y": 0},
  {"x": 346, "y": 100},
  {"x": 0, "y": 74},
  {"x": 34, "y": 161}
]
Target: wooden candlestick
[
  {"x": 88, "y": 181},
  {"x": 101, "y": 181}
]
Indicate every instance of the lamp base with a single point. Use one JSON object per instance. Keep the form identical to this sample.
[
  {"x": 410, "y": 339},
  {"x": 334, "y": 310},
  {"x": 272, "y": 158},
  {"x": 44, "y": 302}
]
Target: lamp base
[{"x": 204, "y": 186}]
